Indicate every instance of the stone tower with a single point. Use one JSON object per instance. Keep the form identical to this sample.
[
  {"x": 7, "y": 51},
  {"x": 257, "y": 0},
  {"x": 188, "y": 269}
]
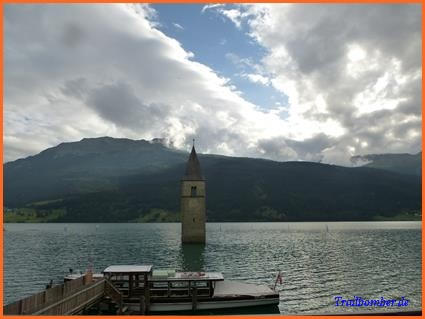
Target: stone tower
[{"x": 192, "y": 202}]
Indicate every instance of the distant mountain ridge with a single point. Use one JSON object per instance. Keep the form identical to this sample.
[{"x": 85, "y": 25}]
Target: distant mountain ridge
[
  {"x": 82, "y": 166},
  {"x": 400, "y": 163},
  {"x": 119, "y": 180}
]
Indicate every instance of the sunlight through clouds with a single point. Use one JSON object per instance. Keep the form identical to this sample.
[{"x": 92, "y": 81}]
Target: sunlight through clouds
[{"x": 324, "y": 76}]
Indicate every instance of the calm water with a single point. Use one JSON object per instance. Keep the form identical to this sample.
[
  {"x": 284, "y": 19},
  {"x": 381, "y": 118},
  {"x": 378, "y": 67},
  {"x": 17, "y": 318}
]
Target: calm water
[{"x": 318, "y": 260}]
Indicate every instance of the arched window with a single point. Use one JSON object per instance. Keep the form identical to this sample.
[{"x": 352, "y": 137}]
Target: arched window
[{"x": 193, "y": 191}]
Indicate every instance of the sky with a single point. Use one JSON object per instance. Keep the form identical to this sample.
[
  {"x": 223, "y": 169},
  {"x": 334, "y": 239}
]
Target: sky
[{"x": 309, "y": 82}]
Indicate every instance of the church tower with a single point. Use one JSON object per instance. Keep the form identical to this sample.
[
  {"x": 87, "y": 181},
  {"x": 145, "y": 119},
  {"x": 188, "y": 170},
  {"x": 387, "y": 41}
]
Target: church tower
[{"x": 192, "y": 202}]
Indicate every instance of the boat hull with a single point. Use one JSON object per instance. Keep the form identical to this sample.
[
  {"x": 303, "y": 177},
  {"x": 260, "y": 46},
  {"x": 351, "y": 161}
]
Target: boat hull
[
  {"x": 227, "y": 295},
  {"x": 212, "y": 304}
]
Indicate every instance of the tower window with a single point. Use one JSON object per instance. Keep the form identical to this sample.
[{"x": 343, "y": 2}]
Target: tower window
[{"x": 193, "y": 191}]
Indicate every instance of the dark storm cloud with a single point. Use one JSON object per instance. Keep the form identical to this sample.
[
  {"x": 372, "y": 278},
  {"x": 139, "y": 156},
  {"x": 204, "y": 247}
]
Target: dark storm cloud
[
  {"x": 118, "y": 104},
  {"x": 73, "y": 35}
]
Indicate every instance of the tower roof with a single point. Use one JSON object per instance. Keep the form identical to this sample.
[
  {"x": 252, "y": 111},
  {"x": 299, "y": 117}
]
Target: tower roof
[{"x": 193, "y": 168}]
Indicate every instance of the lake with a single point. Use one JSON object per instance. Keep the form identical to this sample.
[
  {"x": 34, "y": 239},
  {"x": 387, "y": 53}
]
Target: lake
[{"x": 318, "y": 261}]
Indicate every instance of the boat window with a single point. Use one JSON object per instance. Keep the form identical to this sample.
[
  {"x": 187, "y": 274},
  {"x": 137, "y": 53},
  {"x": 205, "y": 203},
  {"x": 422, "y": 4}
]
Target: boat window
[
  {"x": 160, "y": 284},
  {"x": 203, "y": 292},
  {"x": 180, "y": 284},
  {"x": 119, "y": 277},
  {"x": 199, "y": 284},
  {"x": 179, "y": 293},
  {"x": 193, "y": 191}
]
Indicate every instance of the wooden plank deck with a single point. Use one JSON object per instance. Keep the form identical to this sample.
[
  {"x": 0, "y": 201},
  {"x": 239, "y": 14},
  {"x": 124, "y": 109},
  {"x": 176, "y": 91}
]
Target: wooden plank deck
[{"x": 65, "y": 299}]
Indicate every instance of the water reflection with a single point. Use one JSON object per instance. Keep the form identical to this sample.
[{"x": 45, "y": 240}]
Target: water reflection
[{"x": 192, "y": 257}]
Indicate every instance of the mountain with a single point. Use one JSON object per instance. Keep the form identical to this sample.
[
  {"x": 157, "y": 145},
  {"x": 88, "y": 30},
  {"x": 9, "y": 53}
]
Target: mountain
[
  {"x": 118, "y": 180},
  {"x": 84, "y": 166},
  {"x": 400, "y": 163}
]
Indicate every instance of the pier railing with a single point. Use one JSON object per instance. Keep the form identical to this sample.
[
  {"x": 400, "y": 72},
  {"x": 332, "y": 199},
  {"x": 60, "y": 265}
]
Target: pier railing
[
  {"x": 75, "y": 302},
  {"x": 59, "y": 300}
]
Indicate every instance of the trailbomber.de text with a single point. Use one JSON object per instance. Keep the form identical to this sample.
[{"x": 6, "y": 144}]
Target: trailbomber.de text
[{"x": 360, "y": 302}]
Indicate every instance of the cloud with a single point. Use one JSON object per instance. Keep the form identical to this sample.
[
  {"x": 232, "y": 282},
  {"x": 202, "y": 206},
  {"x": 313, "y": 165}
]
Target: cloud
[
  {"x": 178, "y": 26},
  {"x": 309, "y": 149},
  {"x": 233, "y": 15},
  {"x": 236, "y": 13},
  {"x": 109, "y": 101},
  {"x": 256, "y": 78},
  {"x": 242, "y": 63},
  {"x": 80, "y": 71},
  {"x": 135, "y": 83},
  {"x": 211, "y": 6},
  {"x": 358, "y": 66}
]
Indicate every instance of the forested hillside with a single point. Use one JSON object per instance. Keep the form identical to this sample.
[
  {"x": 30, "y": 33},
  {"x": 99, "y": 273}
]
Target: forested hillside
[{"x": 121, "y": 180}]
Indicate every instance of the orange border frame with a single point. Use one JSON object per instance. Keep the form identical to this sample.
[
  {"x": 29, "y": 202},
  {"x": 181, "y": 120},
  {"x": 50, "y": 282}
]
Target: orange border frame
[{"x": 195, "y": 1}]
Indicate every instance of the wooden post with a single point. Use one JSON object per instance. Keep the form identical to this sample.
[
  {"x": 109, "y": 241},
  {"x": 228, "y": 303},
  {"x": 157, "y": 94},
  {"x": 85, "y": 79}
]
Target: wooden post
[
  {"x": 20, "y": 307},
  {"x": 194, "y": 298},
  {"x": 111, "y": 307},
  {"x": 88, "y": 277},
  {"x": 142, "y": 305},
  {"x": 119, "y": 310},
  {"x": 147, "y": 296},
  {"x": 130, "y": 285},
  {"x": 210, "y": 288}
]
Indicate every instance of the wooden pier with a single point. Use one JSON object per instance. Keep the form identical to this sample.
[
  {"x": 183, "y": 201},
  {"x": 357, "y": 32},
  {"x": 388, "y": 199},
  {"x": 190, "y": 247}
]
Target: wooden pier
[
  {"x": 127, "y": 290},
  {"x": 69, "y": 298}
]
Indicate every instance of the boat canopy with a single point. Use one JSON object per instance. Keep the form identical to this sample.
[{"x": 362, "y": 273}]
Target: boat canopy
[
  {"x": 192, "y": 276},
  {"x": 140, "y": 269},
  {"x": 165, "y": 274}
]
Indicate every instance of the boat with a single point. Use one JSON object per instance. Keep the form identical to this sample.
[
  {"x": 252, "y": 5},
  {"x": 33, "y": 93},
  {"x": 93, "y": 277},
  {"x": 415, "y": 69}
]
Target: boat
[{"x": 169, "y": 291}]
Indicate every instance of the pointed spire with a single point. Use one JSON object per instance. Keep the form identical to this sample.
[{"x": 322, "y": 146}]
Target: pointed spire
[{"x": 193, "y": 168}]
